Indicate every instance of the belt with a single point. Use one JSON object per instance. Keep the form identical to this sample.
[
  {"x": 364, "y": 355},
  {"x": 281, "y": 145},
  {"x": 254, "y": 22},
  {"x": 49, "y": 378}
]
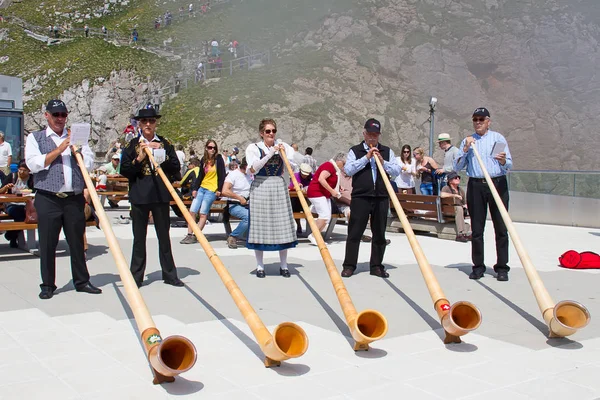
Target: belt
[
  {"x": 483, "y": 180},
  {"x": 62, "y": 195}
]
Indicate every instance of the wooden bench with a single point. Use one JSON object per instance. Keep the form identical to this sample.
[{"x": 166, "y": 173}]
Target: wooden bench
[
  {"x": 27, "y": 243},
  {"x": 297, "y": 215},
  {"x": 430, "y": 214}
]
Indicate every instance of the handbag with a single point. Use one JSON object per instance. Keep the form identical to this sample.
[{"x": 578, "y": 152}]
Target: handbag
[{"x": 30, "y": 213}]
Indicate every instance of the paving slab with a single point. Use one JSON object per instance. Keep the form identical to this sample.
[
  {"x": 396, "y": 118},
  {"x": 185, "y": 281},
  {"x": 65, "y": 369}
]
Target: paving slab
[{"x": 79, "y": 346}]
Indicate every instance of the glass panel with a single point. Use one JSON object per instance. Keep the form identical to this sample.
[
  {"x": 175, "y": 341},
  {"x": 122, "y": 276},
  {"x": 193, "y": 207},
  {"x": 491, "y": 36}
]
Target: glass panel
[
  {"x": 540, "y": 182},
  {"x": 11, "y": 126},
  {"x": 587, "y": 185}
]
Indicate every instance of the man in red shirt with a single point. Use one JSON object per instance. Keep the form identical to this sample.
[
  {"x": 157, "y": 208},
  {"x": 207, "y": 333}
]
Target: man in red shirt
[{"x": 325, "y": 184}]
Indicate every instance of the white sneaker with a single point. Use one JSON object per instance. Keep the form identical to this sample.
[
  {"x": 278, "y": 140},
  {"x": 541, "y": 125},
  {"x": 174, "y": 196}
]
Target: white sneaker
[{"x": 312, "y": 240}]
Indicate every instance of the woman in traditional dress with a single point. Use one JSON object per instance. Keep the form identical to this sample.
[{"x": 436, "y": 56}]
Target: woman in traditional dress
[{"x": 272, "y": 226}]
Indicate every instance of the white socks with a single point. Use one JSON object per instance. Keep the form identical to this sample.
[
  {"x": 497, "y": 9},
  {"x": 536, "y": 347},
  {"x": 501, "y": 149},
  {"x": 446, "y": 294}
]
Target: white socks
[
  {"x": 283, "y": 258},
  {"x": 260, "y": 266}
]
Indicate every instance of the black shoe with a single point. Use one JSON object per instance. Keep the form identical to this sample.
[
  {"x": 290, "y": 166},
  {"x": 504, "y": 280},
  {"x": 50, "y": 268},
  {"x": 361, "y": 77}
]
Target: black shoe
[
  {"x": 46, "y": 294},
  {"x": 347, "y": 272},
  {"x": 113, "y": 204},
  {"x": 365, "y": 238},
  {"x": 260, "y": 273},
  {"x": 388, "y": 242},
  {"x": 461, "y": 238},
  {"x": 502, "y": 276},
  {"x": 176, "y": 282},
  {"x": 89, "y": 288},
  {"x": 284, "y": 272},
  {"x": 14, "y": 244},
  {"x": 476, "y": 275},
  {"x": 380, "y": 272}
]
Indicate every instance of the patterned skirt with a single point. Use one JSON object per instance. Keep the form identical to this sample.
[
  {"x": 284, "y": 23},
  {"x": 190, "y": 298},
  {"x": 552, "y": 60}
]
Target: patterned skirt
[{"x": 272, "y": 225}]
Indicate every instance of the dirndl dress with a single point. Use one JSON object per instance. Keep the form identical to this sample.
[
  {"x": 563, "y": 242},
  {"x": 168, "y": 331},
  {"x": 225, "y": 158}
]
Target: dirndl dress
[{"x": 271, "y": 224}]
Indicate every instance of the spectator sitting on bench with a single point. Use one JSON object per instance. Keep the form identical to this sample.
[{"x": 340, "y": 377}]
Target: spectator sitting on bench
[
  {"x": 323, "y": 186},
  {"x": 190, "y": 176},
  {"x": 237, "y": 189},
  {"x": 460, "y": 205},
  {"x": 110, "y": 170},
  {"x": 23, "y": 180}
]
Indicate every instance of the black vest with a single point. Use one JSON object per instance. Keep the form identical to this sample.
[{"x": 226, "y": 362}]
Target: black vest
[{"x": 362, "y": 181}]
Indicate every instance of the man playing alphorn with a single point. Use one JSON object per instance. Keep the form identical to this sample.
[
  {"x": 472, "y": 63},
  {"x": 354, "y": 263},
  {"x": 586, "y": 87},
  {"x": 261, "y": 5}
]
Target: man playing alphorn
[
  {"x": 369, "y": 198},
  {"x": 479, "y": 195},
  {"x": 59, "y": 200},
  {"x": 148, "y": 194}
]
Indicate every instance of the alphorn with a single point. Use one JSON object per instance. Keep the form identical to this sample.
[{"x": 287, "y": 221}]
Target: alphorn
[
  {"x": 288, "y": 340},
  {"x": 366, "y": 326},
  {"x": 457, "y": 319},
  {"x": 168, "y": 357},
  {"x": 566, "y": 317}
]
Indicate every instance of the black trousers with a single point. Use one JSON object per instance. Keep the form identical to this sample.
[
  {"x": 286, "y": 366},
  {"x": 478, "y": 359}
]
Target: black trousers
[
  {"x": 361, "y": 208},
  {"x": 162, "y": 224},
  {"x": 479, "y": 197},
  {"x": 55, "y": 214}
]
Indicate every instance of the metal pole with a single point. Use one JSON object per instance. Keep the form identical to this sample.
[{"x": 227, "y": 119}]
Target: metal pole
[{"x": 431, "y": 129}]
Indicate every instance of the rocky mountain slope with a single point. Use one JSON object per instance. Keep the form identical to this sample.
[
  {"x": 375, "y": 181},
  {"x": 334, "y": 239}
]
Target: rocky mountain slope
[{"x": 532, "y": 63}]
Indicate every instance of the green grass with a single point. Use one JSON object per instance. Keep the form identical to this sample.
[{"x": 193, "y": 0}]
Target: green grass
[{"x": 70, "y": 63}]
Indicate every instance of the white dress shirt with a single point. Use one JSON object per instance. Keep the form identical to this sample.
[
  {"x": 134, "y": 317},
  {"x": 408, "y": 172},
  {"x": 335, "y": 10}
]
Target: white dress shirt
[{"x": 36, "y": 160}]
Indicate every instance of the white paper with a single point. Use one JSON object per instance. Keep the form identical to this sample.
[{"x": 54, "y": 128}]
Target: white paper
[
  {"x": 80, "y": 134},
  {"x": 159, "y": 155},
  {"x": 498, "y": 148}
]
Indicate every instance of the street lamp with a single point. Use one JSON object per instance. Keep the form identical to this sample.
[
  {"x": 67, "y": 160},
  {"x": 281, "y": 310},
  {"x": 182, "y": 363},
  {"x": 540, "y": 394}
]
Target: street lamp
[{"x": 432, "y": 104}]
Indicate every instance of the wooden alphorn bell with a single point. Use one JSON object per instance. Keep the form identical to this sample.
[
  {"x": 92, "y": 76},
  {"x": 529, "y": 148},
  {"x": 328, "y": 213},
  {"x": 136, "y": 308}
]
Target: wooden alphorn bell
[
  {"x": 457, "y": 319},
  {"x": 168, "y": 357},
  {"x": 288, "y": 340},
  {"x": 566, "y": 317},
  {"x": 366, "y": 326}
]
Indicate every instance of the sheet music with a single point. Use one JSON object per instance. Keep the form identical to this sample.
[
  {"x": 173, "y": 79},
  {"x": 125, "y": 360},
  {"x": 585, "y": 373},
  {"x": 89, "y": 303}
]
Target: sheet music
[
  {"x": 159, "y": 155},
  {"x": 498, "y": 148},
  {"x": 80, "y": 134}
]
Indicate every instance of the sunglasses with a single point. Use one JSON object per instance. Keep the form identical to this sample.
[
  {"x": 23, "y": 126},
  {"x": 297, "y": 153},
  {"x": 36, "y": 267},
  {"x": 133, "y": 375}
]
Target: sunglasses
[
  {"x": 270, "y": 130},
  {"x": 148, "y": 121},
  {"x": 210, "y": 147},
  {"x": 456, "y": 177},
  {"x": 59, "y": 115},
  {"x": 406, "y": 151},
  {"x": 479, "y": 119}
]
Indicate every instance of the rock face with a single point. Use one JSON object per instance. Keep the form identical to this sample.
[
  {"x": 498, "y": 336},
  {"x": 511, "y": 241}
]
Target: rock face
[
  {"x": 106, "y": 104},
  {"x": 533, "y": 65}
]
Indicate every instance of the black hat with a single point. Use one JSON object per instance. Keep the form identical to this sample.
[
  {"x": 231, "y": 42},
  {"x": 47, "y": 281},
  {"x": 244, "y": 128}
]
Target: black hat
[
  {"x": 146, "y": 113},
  {"x": 452, "y": 175},
  {"x": 372, "y": 125},
  {"x": 481, "y": 111},
  {"x": 56, "y": 106}
]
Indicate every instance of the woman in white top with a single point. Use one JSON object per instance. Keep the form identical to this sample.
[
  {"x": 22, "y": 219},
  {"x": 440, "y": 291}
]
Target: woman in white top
[
  {"x": 406, "y": 179},
  {"x": 272, "y": 225}
]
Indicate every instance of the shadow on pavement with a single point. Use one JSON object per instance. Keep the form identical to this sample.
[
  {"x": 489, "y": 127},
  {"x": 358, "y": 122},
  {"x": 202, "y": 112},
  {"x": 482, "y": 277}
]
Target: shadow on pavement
[{"x": 181, "y": 386}]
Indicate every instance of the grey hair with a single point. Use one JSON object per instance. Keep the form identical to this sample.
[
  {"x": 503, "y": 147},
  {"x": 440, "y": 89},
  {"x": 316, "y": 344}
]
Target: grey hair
[
  {"x": 340, "y": 157},
  {"x": 1, "y": 135}
]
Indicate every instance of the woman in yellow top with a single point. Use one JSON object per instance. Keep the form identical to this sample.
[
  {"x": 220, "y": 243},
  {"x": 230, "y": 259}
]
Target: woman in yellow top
[{"x": 207, "y": 186}]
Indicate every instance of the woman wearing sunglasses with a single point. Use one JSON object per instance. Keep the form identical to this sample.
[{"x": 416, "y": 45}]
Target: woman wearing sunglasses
[
  {"x": 406, "y": 179},
  {"x": 206, "y": 187},
  {"x": 272, "y": 226}
]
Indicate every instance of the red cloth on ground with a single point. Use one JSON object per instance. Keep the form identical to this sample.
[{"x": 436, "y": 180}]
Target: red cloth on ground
[{"x": 574, "y": 260}]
